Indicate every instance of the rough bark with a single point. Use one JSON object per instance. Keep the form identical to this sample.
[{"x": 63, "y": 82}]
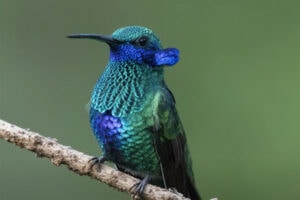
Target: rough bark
[{"x": 78, "y": 162}]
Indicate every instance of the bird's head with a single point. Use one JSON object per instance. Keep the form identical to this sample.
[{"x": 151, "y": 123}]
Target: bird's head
[{"x": 136, "y": 44}]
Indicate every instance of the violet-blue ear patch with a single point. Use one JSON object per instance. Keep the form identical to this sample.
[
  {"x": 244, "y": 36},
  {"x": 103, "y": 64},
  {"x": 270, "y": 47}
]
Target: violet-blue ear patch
[{"x": 169, "y": 56}]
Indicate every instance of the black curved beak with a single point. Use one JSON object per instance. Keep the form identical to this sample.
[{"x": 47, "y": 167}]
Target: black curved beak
[{"x": 103, "y": 38}]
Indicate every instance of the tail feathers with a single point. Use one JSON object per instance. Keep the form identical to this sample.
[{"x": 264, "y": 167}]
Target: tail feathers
[{"x": 192, "y": 192}]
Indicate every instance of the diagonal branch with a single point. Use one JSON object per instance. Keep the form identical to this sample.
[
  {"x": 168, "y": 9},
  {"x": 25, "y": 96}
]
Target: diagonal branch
[{"x": 78, "y": 161}]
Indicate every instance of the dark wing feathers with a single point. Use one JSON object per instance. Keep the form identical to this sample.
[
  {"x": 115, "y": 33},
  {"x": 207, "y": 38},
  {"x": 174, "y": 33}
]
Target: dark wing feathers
[{"x": 171, "y": 146}]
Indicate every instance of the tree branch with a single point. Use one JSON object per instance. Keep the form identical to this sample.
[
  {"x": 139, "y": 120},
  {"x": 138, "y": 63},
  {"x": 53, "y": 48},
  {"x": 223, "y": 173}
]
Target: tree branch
[{"x": 78, "y": 161}]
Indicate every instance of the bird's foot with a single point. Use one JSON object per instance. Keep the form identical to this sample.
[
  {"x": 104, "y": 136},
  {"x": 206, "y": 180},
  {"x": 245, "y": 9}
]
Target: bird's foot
[
  {"x": 139, "y": 187},
  {"x": 97, "y": 160}
]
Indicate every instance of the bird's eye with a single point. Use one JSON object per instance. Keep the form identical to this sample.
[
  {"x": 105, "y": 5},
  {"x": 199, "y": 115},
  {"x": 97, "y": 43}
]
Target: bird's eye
[{"x": 142, "y": 41}]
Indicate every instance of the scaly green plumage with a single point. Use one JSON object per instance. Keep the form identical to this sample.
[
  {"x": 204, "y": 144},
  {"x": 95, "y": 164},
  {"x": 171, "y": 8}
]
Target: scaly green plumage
[
  {"x": 133, "y": 114},
  {"x": 123, "y": 89}
]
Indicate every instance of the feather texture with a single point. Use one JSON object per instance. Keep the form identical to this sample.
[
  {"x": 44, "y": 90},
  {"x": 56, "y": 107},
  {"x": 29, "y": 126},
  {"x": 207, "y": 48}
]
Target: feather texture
[{"x": 133, "y": 113}]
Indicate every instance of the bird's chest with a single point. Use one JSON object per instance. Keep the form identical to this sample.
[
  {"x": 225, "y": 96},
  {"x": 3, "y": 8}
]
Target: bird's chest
[{"x": 127, "y": 141}]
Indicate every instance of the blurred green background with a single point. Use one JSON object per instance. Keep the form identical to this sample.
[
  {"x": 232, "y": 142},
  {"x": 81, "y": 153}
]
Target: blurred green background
[{"x": 236, "y": 86}]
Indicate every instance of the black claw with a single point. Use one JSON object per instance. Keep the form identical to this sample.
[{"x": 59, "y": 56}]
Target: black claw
[
  {"x": 97, "y": 160},
  {"x": 139, "y": 187}
]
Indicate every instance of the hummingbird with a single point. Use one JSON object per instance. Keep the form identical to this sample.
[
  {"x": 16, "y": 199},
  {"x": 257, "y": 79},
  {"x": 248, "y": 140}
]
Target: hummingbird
[{"x": 133, "y": 114}]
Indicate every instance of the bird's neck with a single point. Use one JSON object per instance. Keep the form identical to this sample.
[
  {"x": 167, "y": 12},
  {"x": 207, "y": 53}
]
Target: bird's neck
[
  {"x": 130, "y": 72},
  {"x": 124, "y": 87}
]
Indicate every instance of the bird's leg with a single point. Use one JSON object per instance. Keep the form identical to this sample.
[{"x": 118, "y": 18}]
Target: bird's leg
[
  {"x": 172, "y": 189},
  {"x": 97, "y": 160},
  {"x": 139, "y": 187}
]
